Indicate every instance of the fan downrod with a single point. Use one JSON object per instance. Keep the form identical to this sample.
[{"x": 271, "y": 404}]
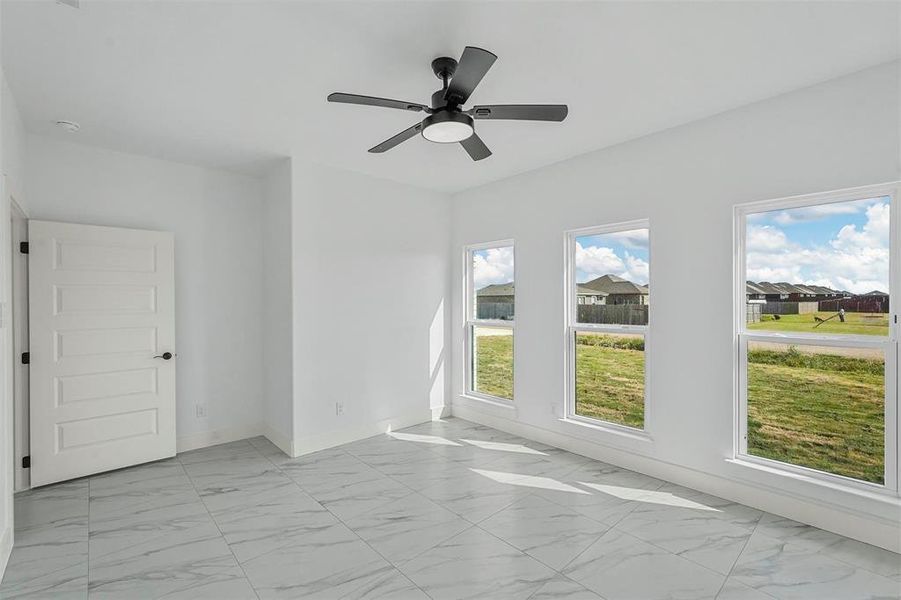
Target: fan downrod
[{"x": 444, "y": 68}]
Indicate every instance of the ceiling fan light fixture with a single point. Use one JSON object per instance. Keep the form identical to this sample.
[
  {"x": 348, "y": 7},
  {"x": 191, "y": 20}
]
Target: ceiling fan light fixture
[{"x": 445, "y": 127}]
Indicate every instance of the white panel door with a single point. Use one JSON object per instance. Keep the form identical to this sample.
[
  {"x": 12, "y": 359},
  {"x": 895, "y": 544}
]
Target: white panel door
[{"x": 102, "y": 319}]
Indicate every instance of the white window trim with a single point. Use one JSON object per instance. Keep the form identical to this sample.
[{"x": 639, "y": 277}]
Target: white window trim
[
  {"x": 572, "y": 328},
  {"x": 889, "y": 344},
  {"x": 471, "y": 321}
]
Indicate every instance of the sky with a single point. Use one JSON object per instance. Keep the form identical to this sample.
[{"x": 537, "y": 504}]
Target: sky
[
  {"x": 843, "y": 245},
  {"x": 623, "y": 253},
  {"x": 494, "y": 265}
]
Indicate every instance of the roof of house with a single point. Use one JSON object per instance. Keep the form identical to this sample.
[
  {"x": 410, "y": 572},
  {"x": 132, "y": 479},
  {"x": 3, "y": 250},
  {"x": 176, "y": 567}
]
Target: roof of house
[
  {"x": 783, "y": 287},
  {"x": 768, "y": 288},
  {"x": 788, "y": 288},
  {"x": 753, "y": 288},
  {"x": 611, "y": 284},
  {"x": 496, "y": 289},
  {"x": 823, "y": 290},
  {"x": 581, "y": 290},
  {"x": 874, "y": 293}
]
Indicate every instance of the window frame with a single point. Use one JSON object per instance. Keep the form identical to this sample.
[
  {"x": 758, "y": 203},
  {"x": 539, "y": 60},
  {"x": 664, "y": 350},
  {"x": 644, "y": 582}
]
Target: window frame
[
  {"x": 471, "y": 321},
  {"x": 572, "y": 328},
  {"x": 888, "y": 344}
]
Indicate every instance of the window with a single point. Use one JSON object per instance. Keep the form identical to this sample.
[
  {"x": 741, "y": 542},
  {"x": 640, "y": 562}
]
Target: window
[
  {"x": 490, "y": 304},
  {"x": 608, "y": 307},
  {"x": 817, "y": 342}
]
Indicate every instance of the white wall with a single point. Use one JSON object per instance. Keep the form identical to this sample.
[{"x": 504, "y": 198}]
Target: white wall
[
  {"x": 12, "y": 137},
  {"x": 12, "y": 184},
  {"x": 686, "y": 180},
  {"x": 216, "y": 218},
  {"x": 278, "y": 396},
  {"x": 370, "y": 304}
]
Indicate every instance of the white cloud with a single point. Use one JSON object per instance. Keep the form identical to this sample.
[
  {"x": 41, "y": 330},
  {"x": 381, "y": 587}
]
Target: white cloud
[
  {"x": 595, "y": 261},
  {"x": 494, "y": 265},
  {"x": 820, "y": 211},
  {"x": 633, "y": 238},
  {"x": 636, "y": 269},
  {"x": 873, "y": 234},
  {"x": 856, "y": 259},
  {"x": 765, "y": 238},
  {"x": 598, "y": 260}
]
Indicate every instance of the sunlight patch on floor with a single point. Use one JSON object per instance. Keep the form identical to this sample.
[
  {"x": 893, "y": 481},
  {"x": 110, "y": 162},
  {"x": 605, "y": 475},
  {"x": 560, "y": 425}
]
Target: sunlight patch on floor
[
  {"x": 532, "y": 481},
  {"x": 518, "y": 448},
  {"x": 423, "y": 439},
  {"x": 647, "y": 496}
]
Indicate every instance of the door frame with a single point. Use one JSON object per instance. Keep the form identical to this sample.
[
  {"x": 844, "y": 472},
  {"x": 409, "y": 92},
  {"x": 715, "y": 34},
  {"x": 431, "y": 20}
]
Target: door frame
[{"x": 19, "y": 293}]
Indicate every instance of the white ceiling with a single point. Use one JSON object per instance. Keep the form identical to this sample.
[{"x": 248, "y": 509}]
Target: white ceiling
[{"x": 236, "y": 84}]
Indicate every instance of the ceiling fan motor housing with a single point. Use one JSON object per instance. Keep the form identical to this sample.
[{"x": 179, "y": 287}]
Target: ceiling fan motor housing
[{"x": 447, "y": 126}]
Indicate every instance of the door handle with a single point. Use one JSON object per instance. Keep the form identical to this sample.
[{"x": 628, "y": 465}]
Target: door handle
[{"x": 165, "y": 355}]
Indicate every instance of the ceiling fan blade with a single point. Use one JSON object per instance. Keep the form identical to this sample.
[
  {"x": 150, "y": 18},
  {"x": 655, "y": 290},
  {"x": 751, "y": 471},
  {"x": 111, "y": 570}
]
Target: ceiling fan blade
[
  {"x": 473, "y": 65},
  {"x": 373, "y": 101},
  {"x": 393, "y": 141},
  {"x": 476, "y": 147},
  {"x": 521, "y": 112}
]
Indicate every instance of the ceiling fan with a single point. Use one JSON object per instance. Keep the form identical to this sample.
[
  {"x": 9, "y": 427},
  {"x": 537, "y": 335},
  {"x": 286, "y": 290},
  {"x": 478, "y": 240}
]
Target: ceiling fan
[{"x": 447, "y": 122}]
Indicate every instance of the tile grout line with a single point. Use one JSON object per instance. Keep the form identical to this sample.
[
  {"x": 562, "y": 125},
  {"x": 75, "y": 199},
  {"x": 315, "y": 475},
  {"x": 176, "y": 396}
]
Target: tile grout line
[
  {"x": 216, "y": 524},
  {"x": 821, "y": 552},
  {"x": 476, "y": 524},
  {"x": 737, "y": 558},
  {"x": 368, "y": 545},
  {"x": 445, "y": 462},
  {"x": 524, "y": 553}
]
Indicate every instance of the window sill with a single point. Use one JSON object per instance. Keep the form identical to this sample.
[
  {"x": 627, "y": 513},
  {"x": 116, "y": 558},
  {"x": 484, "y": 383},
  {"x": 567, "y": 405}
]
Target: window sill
[
  {"x": 497, "y": 402},
  {"x": 754, "y": 472},
  {"x": 622, "y": 433}
]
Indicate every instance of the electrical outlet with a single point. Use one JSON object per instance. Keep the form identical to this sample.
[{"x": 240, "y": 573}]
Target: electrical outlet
[
  {"x": 339, "y": 408},
  {"x": 200, "y": 411}
]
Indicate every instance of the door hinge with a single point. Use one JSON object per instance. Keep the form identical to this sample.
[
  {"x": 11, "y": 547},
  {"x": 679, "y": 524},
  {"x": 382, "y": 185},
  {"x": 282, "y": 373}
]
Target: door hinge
[
  {"x": 26, "y": 462},
  {"x": 23, "y": 247},
  {"x": 26, "y": 358}
]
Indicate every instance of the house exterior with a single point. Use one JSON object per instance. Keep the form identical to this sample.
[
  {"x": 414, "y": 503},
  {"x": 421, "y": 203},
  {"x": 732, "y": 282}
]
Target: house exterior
[
  {"x": 502, "y": 293},
  {"x": 586, "y": 295},
  {"x": 619, "y": 290},
  {"x": 495, "y": 301},
  {"x": 790, "y": 292},
  {"x": 754, "y": 292}
]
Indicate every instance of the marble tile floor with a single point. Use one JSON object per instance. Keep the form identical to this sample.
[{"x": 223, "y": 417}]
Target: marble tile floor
[{"x": 442, "y": 510}]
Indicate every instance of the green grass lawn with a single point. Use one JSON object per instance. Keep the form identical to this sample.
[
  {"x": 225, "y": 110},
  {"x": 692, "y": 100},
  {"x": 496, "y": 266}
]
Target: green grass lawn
[
  {"x": 855, "y": 323},
  {"x": 494, "y": 365},
  {"x": 610, "y": 378},
  {"x": 822, "y": 411}
]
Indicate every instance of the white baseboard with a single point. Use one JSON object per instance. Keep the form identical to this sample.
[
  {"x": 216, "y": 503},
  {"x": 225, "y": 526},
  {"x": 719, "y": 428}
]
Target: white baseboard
[
  {"x": 284, "y": 443},
  {"x": 870, "y": 529},
  {"x": 6, "y": 548},
  {"x": 202, "y": 439},
  {"x": 330, "y": 439},
  {"x": 440, "y": 412}
]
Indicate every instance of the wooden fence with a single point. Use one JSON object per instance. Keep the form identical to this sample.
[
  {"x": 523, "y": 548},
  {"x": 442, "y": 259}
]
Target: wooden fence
[
  {"x": 613, "y": 314},
  {"x": 752, "y": 315},
  {"x": 861, "y": 305},
  {"x": 502, "y": 311},
  {"x": 789, "y": 308}
]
